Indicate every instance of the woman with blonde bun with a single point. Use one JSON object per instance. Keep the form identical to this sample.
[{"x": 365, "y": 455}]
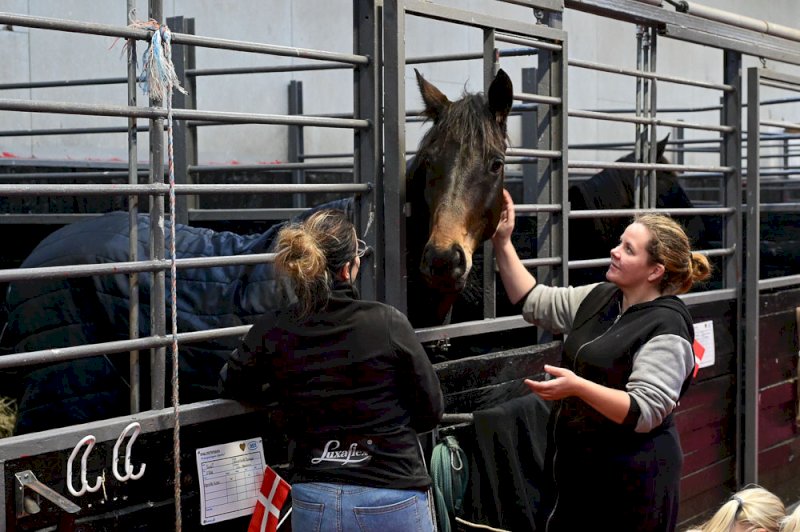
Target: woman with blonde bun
[
  {"x": 753, "y": 509},
  {"x": 354, "y": 382}
]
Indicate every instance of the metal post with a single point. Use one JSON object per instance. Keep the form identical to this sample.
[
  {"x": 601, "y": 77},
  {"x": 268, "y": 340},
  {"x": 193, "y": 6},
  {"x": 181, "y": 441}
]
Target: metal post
[
  {"x": 133, "y": 223},
  {"x": 366, "y": 162},
  {"x": 651, "y": 189},
  {"x": 296, "y": 145},
  {"x": 637, "y": 146},
  {"x": 561, "y": 166},
  {"x": 185, "y": 136},
  {"x": 157, "y": 290},
  {"x": 751, "y": 293},
  {"x": 529, "y": 137},
  {"x": 491, "y": 64},
  {"x": 731, "y": 155},
  {"x": 394, "y": 94}
]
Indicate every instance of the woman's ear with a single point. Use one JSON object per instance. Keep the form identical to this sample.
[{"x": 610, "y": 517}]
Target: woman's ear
[
  {"x": 344, "y": 273},
  {"x": 657, "y": 273}
]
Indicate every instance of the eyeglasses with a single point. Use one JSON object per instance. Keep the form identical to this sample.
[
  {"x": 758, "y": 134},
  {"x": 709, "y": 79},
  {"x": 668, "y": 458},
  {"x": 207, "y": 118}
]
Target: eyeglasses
[{"x": 361, "y": 248}]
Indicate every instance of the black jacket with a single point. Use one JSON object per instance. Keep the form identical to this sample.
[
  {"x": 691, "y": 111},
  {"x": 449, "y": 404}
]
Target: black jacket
[{"x": 356, "y": 386}]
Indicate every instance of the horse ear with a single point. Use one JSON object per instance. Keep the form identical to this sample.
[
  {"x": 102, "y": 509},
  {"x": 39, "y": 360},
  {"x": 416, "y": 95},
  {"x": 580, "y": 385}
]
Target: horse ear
[
  {"x": 662, "y": 144},
  {"x": 501, "y": 96},
  {"x": 435, "y": 102}
]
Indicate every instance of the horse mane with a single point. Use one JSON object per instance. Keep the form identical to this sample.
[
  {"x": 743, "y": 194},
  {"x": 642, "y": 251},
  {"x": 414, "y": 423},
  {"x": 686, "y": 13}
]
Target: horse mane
[{"x": 466, "y": 118}]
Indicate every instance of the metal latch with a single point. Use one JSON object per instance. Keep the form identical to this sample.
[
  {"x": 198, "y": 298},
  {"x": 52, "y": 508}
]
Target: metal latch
[{"x": 28, "y": 506}]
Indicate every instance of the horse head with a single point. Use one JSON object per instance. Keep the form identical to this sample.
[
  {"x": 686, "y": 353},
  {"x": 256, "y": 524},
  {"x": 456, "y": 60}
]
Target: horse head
[{"x": 454, "y": 188}]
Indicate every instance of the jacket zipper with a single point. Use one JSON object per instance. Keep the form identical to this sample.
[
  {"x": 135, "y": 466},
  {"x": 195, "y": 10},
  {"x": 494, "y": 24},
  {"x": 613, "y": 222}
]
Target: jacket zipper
[{"x": 555, "y": 423}]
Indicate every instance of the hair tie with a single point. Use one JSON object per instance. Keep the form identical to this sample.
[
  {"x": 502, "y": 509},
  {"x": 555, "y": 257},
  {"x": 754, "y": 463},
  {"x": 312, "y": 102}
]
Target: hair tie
[{"x": 739, "y": 503}]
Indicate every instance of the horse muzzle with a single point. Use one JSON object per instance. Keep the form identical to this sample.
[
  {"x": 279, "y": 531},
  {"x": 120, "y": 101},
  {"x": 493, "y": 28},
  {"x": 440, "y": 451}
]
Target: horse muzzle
[{"x": 445, "y": 269}]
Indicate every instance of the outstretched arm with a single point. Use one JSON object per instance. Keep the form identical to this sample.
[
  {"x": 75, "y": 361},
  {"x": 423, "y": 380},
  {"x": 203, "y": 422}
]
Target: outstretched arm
[
  {"x": 516, "y": 278},
  {"x": 613, "y": 404}
]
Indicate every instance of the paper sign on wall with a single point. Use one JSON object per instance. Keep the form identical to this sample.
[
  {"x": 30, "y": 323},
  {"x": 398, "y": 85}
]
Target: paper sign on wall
[
  {"x": 230, "y": 477},
  {"x": 704, "y": 351}
]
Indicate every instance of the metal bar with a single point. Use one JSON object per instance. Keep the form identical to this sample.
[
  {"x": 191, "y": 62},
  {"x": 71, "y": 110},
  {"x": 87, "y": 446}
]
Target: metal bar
[
  {"x": 552, "y": 5},
  {"x": 648, "y": 75},
  {"x": 751, "y": 293},
  {"x": 780, "y": 123},
  {"x": 153, "y": 113},
  {"x": 134, "y": 373},
  {"x": 792, "y": 81},
  {"x": 296, "y": 141},
  {"x": 780, "y": 85},
  {"x": 513, "y": 39},
  {"x": 277, "y": 167},
  {"x": 779, "y": 282},
  {"x": 692, "y": 29},
  {"x": 64, "y": 438},
  {"x": 622, "y": 213},
  {"x": 645, "y": 120},
  {"x": 560, "y": 167},
  {"x": 394, "y": 222},
  {"x": 742, "y": 21},
  {"x": 536, "y": 98},
  {"x": 652, "y": 104},
  {"x": 47, "y": 23},
  {"x": 366, "y": 143},
  {"x": 469, "y": 18},
  {"x": 116, "y": 268},
  {"x": 491, "y": 65},
  {"x": 544, "y": 154},
  {"x": 158, "y": 314},
  {"x": 468, "y": 328},
  {"x": 650, "y": 166},
  {"x": 156, "y": 189},
  {"x": 67, "y": 131},
  {"x": 205, "y": 215}
]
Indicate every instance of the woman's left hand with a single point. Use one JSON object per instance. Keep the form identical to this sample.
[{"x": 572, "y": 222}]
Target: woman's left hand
[{"x": 565, "y": 384}]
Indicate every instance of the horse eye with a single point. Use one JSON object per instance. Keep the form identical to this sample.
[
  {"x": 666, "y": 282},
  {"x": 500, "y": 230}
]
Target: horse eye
[{"x": 496, "y": 166}]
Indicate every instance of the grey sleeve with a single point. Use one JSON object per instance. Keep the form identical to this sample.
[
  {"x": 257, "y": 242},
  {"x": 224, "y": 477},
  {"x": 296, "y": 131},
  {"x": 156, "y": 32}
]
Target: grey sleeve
[
  {"x": 554, "y": 307},
  {"x": 659, "y": 370}
]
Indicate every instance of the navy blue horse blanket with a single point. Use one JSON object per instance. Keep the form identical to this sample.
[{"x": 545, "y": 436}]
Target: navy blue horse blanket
[{"x": 62, "y": 312}]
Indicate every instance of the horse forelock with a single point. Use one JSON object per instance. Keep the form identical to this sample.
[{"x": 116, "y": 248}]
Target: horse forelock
[{"x": 466, "y": 122}]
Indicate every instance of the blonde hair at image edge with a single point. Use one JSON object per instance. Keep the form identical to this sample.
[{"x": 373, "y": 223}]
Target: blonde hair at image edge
[
  {"x": 791, "y": 523},
  {"x": 760, "y": 510}
]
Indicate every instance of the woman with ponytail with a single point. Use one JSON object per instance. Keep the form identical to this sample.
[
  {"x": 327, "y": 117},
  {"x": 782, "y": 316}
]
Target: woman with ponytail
[
  {"x": 613, "y": 452},
  {"x": 356, "y": 386},
  {"x": 752, "y": 509}
]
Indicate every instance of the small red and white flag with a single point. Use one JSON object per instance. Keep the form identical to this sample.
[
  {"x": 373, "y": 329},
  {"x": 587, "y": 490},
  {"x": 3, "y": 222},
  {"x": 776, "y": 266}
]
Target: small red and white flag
[{"x": 269, "y": 502}]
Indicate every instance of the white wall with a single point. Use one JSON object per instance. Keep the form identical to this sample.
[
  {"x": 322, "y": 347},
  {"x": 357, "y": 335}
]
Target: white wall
[{"x": 39, "y": 55}]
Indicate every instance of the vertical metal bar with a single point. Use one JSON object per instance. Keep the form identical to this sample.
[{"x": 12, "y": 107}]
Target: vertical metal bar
[
  {"x": 394, "y": 94},
  {"x": 637, "y": 146},
  {"x": 751, "y": 293},
  {"x": 731, "y": 155},
  {"x": 678, "y": 134},
  {"x": 296, "y": 145},
  {"x": 561, "y": 166},
  {"x": 652, "y": 190},
  {"x": 365, "y": 142},
  {"x": 646, "y": 111},
  {"x": 491, "y": 64},
  {"x": 157, "y": 290},
  {"x": 529, "y": 137},
  {"x": 185, "y": 137},
  {"x": 133, "y": 223}
]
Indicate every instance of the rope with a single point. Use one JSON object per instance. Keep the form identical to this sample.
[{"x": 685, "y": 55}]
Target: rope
[
  {"x": 450, "y": 474},
  {"x": 158, "y": 79}
]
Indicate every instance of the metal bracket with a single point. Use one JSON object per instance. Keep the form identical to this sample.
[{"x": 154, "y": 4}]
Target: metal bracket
[{"x": 26, "y": 479}]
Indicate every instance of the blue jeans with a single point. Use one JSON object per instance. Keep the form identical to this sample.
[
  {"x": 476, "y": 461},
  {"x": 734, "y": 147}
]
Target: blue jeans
[{"x": 321, "y": 507}]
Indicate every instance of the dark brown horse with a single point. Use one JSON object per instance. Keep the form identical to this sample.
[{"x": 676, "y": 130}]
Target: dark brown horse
[{"x": 454, "y": 187}]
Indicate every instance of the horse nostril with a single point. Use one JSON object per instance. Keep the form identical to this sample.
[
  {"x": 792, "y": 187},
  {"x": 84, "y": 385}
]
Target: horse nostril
[{"x": 448, "y": 263}]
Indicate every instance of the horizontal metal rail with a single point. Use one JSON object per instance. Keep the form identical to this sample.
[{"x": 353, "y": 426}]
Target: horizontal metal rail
[
  {"x": 468, "y": 328},
  {"x": 204, "y": 215},
  {"x": 513, "y": 39},
  {"x": 651, "y": 75},
  {"x": 109, "y": 429},
  {"x": 595, "y": 263},
  {"x": 622, "y": 213},
  {"x": 177, "y": 114},
  {"x": 594, "y": 115},
  {"x": 780, "y": 85},
  {"x": 536, "y": 98},
  {"x": 163, "y": 188},
  {"x": 527, "y": 152},
  {"x": 115, "y": 268},
  {"x": 269, "y": 167},
  {"x": 619, "y": 165},
  {"x": 47, "y": 23},
  {"x": 779, "y": 282},
  {"x": 780, "y": 123}
]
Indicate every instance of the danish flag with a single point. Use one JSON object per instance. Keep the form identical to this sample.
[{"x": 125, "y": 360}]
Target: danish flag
[{"x": 269, "y": 502}]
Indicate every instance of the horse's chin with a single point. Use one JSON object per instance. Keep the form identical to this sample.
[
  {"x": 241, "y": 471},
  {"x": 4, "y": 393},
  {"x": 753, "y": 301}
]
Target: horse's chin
[{"x": 446, "y": 286}]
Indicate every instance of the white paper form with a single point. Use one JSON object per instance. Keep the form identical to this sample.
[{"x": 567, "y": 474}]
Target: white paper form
[{"x": 230, "y": 476}]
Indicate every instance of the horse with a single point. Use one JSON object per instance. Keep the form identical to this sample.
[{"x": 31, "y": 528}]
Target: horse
[{"x": 454, "y": 186}]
